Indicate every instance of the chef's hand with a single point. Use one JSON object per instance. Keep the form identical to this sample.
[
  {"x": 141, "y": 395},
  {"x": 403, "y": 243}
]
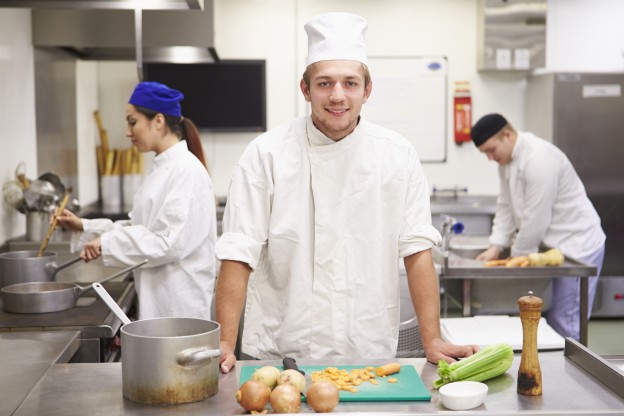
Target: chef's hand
[
  {"x": 492, "y": 253},
  {"x": 440, "y": 350},
  {"x": 68, "y": 220},
  {"x": 228, "y": 359},
  {"x": 92, "y": 250}
]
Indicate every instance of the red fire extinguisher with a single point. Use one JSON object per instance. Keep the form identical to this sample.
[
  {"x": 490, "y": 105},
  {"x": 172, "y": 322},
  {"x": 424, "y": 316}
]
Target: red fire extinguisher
[{"x": 462, "y": 112}]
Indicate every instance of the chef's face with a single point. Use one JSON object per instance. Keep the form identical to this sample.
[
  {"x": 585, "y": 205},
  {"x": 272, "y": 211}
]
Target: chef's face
[
  {"x": 336, "y": 94},
  {"x": 141, "y": 130},
  {"x": 499, "y": 147}
]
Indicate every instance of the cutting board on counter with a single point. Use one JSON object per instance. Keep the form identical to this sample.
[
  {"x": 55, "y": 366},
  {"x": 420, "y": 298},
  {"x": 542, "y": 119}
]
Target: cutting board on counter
[{"x": 409, "y": 385}]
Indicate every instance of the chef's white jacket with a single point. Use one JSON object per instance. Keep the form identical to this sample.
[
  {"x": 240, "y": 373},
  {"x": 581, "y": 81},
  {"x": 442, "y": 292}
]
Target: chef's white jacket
[
  {"x": 543, "y": 199},
  {"x": 323, "y": 228},
  {"x": 173, "y": 226}
]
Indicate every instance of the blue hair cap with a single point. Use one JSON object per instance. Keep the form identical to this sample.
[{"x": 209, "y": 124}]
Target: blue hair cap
[{"x": 157, "y": 97}]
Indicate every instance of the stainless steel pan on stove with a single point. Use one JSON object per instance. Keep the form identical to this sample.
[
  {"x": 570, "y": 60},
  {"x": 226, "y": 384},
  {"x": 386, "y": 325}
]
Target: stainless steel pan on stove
[
  {"x": 43, "y": 297},
  {"x": 25, "y": 266}
]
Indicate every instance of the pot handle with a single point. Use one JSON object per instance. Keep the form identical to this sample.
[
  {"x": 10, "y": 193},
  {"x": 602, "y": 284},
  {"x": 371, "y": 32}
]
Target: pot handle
[
  {"x": 196, "y": 357},
  {"x": 55, "y": 269}
]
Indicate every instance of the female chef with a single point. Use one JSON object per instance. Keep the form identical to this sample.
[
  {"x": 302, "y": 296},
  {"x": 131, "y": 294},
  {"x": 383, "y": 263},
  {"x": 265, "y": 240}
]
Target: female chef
[{"x": 173, "y": 220}]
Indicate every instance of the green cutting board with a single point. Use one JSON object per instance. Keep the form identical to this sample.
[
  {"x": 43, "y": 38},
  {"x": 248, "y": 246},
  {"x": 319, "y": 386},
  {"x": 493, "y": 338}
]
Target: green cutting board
[{"x": 409, "y": 386}]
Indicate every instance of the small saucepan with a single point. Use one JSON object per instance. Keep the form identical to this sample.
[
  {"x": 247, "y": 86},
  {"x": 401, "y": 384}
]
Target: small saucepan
[
  {"x": 25, "y": 266},
  {"x": 167, "y": 360},
  {"x": 43, "y": 297}
]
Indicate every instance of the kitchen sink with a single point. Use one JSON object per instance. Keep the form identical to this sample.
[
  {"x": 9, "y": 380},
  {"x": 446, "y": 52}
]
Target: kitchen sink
[{"x": 493, "y": 294}]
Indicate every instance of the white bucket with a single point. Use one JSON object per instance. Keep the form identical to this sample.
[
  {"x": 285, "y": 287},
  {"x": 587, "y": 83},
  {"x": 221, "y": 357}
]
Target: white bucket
[
  {"x": 131, "y": 183},
  {"x": 110, "y": 186}
]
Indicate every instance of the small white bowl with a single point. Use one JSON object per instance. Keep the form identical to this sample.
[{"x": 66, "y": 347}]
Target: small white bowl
[{"x": 463, "y": 395}]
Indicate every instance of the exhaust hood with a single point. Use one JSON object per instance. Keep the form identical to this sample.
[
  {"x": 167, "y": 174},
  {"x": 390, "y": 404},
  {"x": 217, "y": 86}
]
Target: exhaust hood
[
  {"x": 106, "y": 4},
  {"x": 142, "y": 35}
]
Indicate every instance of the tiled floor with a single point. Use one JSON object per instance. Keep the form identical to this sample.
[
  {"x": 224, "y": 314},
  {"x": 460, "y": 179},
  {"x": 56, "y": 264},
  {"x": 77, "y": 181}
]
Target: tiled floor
[{"x": 606, "y": 336}]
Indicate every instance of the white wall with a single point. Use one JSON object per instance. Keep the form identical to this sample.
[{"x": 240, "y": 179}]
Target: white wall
[
  {"x": 396, "y": 28},
  {"x": 582, "y": 35},
  {"x": 86, "y": 130},
  {"x": 585, "y": 35},
  {"x": 17, "y": 110},
  {"x": 273, "y": 30}
]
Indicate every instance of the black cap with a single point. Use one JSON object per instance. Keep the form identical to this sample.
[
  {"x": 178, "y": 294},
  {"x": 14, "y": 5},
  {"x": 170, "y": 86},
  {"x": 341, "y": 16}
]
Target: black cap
[{"x": 486, "y": 127}]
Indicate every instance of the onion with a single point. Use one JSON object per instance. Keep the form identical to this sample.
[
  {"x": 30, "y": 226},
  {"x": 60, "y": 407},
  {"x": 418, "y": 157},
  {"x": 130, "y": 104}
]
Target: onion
[
  {"x": 292, "y": 377},
  {"x": 253, "y": 395},
  {"x": 322, "y": 396},
  {"x": 285, "y": 398},
  {"x": 267, "y": 374}
]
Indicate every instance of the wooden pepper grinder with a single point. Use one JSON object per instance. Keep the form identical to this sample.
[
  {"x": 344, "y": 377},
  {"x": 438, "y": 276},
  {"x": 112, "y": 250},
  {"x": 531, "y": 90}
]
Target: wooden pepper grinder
[{"x": 529, "y": 373}]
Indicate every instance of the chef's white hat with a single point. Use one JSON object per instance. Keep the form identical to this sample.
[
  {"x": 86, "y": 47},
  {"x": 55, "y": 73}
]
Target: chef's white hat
[{"x": 334, "y": 36}]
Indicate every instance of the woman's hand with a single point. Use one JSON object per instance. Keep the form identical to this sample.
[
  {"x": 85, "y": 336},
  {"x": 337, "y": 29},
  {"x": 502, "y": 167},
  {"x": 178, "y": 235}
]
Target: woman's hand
[
  {"x": 69, "y": 221},
  {"x": 92, "y": 250}
]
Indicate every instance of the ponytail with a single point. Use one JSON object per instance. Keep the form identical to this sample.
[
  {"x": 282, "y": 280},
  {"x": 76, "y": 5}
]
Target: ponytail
[{"x": 193, "y": 141}]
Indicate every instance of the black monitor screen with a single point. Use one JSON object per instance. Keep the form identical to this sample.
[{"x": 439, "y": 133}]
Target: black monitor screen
[{"x": 223, "y": 96}]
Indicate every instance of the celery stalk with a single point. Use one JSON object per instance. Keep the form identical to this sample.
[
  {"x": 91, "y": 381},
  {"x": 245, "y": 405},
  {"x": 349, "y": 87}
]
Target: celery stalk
[{"x": 487, "y": 363}]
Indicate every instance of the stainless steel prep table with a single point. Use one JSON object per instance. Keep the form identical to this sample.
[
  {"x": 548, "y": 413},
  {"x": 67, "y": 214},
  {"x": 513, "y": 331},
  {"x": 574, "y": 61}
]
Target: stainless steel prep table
[
  {"x": 456, "y": 267},
  {"x": 25, "y": 357},
  {"x": 92, "y": 317},
  {"x": 71, "y": 389}
]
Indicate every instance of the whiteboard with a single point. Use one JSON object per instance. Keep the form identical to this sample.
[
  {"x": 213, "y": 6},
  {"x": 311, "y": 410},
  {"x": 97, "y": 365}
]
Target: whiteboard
[{"x": 409, "y": 96}]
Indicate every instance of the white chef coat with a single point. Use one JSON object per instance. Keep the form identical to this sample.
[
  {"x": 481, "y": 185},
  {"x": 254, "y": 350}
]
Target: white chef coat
[
  {"x": 543, "y": 198},
  {"x": 173, "y": 226},
  {"x": 323, "y": 228}
]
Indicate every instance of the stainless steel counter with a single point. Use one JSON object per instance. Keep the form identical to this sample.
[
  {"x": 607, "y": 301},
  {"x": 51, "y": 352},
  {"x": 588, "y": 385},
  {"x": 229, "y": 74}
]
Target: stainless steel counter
[
  {"x": 467, "y": 268},
  {"x": 76, "y": 389},
  {"x": 25, "y": 358}
]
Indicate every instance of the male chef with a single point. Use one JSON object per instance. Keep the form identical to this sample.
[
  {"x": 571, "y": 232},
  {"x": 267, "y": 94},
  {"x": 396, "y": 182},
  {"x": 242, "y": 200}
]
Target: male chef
[
  {"x": 541, "y": 200},
  {"x": 318, "y": 214}
]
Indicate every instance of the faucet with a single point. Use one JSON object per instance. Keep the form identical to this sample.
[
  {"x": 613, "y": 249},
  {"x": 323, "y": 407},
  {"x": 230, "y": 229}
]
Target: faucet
[{"x": 450, "y": 227}]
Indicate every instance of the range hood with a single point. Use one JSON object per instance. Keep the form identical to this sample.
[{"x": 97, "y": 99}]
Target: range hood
[
  {"x": 106, "y": 4},
  {"x": 141, "y": 35}
]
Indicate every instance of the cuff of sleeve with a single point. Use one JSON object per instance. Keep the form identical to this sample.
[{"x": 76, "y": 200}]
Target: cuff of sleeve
[
  {"x": 422, "y": 239},
  {"x": 239, "y": 247},
  {"x": 498, "y": 242}
]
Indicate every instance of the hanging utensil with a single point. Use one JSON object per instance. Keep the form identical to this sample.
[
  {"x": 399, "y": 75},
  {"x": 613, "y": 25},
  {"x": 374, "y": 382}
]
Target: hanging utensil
[
  {"x": 58, "y": 212},
  {"x": 13, "y": 193},
  {"x": 39, "y": 194},
  {"x": 55, "y": 181},
  {"x": 20, "y": 175}
]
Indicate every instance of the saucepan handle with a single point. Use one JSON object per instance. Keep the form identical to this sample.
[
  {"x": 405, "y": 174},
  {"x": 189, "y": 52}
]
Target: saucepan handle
[
  {"x": 79, "y": 290},
  {"x": 197, "y": 357},
  {"x": 107, "y": 298},
  {"x": 54, "y": 268}
]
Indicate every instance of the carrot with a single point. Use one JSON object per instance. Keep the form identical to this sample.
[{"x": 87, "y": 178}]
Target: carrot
[{"x": 388, "y": 369}]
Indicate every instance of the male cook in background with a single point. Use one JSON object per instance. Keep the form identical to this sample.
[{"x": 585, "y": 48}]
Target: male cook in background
[
  {"x": 541, "y": 200},
  {"x": 320, "y": 210}
]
